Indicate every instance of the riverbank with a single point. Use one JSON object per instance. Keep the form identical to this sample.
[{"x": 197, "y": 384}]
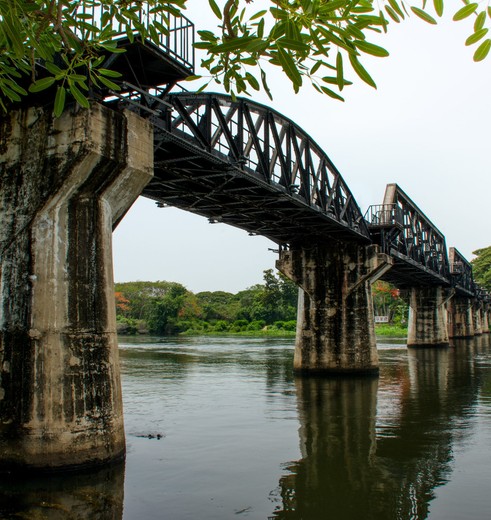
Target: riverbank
[{"x": 384, "y": 330}]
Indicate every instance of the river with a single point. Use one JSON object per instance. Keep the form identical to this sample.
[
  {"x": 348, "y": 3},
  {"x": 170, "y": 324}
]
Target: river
[{"x": 220, "y": 428}]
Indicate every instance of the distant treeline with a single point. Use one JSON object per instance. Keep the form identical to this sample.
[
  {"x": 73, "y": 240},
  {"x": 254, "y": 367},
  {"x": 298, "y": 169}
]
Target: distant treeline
[{"x": 166, "y": 308}]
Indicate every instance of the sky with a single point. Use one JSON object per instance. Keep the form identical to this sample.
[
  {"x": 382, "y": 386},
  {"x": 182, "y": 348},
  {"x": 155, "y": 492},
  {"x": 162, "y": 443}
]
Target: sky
[{"x": 426, "y": 128}]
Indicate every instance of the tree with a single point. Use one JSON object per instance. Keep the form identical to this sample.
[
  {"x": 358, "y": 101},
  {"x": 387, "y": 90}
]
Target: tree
[
  {"x": 387, "y": 301},
  {"x": 310, "y": 40},
  {"x": 481, "y": 267},
  {"x": 64, "y": 43}
]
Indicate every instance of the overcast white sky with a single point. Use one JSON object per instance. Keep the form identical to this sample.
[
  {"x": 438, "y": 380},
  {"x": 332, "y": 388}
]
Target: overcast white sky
[{"x": 426, "y": 127}]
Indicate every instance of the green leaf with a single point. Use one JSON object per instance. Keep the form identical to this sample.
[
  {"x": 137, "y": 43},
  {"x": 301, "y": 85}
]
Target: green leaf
[
  {"x": 288, "y": 65},
  {"x": 13, "y": 85},
  {"x": 392, "y": 14},
  {"x": 466, "y": 11},
  {"x": 396, "y": 8},
  {"x": 191, "y": 78},
  {"x": 54, "y": 69},
  {"x": 316, "y": 67},
  {"x": 295, "y": 45},
  {"x": 203, "y": 45},
  {"x": 332, "y": 5},
  {"x": 108, "y": 83},
  {"x": 234, "y": 45},
  {"x": 331, "y": 93},
  {"x": 109, "y": 73},
  {"x": 473, "y": 38},
  {"x": 424, "y": 16},
  {"x": 265, "y": 85},
  {"x": 361, "y": 71},
  {"x": 59, "y": 101},
  {"x": 483, "y": 50},
  {"x": 339, "y": 71},
  {"x": 480, "y": 20},
  {"x": 41, "y": 84},
  {"x": 370, "y": 48},
  {"x": 11, "y": 94},
  {"x": 111, "y": 47},
  {"x": 259, "y": 14},
  {"x": 337, "y": 41},
  {"x": 79, "y": 97},
  {"x": 332, "y": 80},
  {"x": 256, "y": 45},
  {"x": 215, "y": 9},
  {"x": 253, "y": 82},
  {"x": 438, "y": 7}
]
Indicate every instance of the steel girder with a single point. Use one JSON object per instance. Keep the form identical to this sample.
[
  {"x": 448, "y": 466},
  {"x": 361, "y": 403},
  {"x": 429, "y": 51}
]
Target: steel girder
[{"x": 239, "y": 162}]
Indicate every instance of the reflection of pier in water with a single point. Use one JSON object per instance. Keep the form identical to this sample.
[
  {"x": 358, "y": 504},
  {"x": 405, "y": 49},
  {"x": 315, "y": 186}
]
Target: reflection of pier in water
[
  {"x": 358, "y": 462},
  {"x": 94, "y": 495}
]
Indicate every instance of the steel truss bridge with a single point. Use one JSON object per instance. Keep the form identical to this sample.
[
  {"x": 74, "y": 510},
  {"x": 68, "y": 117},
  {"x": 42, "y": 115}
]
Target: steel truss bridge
[
  {"x": 244, "y": 164},
  {"x": 241, "y": 163}
]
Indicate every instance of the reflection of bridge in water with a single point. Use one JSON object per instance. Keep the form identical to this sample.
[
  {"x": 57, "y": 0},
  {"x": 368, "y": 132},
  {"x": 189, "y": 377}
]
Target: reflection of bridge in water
[
  {"x": 379, "y": 450},
  {"x": 67, "y": 182}
]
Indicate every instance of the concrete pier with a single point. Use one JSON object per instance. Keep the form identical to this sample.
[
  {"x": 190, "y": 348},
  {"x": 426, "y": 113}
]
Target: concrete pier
[
  {"x": 64, "y": 184},
  {"x": 477, "y": 317},
  {"x": 335, "y": 323},
  {"x": 460, "y": 317},
  {"x": 427, "y": 326},
  {"x": 485, "y": 318}
]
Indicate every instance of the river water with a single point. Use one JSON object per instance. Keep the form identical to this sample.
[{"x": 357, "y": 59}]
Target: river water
[{"x": 220, "y": 428}]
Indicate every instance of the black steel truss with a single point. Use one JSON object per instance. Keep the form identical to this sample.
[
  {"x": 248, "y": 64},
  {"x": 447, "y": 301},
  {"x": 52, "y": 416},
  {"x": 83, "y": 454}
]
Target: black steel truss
[
  {"x": 240, "y": 162},
  {"x": 405, "y": 233},
  {"x": 461, "y": 273}
]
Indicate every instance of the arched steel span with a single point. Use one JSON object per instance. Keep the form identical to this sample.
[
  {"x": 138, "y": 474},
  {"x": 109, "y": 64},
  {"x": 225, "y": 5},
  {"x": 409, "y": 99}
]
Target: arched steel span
[{"x": 244, "y": 164}]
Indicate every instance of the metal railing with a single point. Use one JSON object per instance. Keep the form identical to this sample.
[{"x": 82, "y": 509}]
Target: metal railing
[
  {"x": 384, "y": 215},
  {"x": 177, "y": 40}
]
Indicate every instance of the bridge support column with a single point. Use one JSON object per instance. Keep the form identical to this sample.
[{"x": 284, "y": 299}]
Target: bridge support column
[
  {"x": 485, "y": 319},
  {"x": 477, "y": 318},
  {"x": 427, "y": 325},
  {"x": 460, "y": 322},
  {"x": 335, "y": 328},
  {"x": 64, "y": 183}
]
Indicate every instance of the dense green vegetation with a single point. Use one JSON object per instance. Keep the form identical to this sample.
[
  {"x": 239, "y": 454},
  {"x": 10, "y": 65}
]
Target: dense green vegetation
[
  {"x": 387, "y": 301},
  {"x": 270, "y": 308},
  {"x": 481, "y": 267},
  {"x": 169, "y": 308}
]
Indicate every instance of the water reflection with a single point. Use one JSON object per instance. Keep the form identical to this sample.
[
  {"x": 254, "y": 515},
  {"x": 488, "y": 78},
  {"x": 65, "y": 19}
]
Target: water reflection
[
  {"x": 363, "y": 460},
  {"x": 334, "y": 478},
  {"x": 96, "y": 495},
  {"x": 231, "y": 413}
]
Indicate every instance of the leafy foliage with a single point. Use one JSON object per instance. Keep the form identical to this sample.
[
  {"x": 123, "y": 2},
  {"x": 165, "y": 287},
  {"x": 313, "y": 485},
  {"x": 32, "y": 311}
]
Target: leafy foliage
[
  {"x": 387, "y": 301},
  {"x": 69, "y": 41},
  {"x": 169, "y": 308},
  {"x": 481, "y": 267},
  {"x": 318, "y": 41},
  {"x": 313, "y": 40}
]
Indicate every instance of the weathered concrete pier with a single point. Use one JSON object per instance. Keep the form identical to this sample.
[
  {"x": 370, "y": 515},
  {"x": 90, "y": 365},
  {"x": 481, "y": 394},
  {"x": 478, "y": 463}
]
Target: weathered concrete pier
[
  {"x": 65, "y": 183},
  {"x": 335, "y": 331},
  {"x": 427, "y": 324}
]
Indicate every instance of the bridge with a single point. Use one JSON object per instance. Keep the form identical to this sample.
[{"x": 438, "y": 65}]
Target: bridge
[{"x": 67, "y": 182}]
